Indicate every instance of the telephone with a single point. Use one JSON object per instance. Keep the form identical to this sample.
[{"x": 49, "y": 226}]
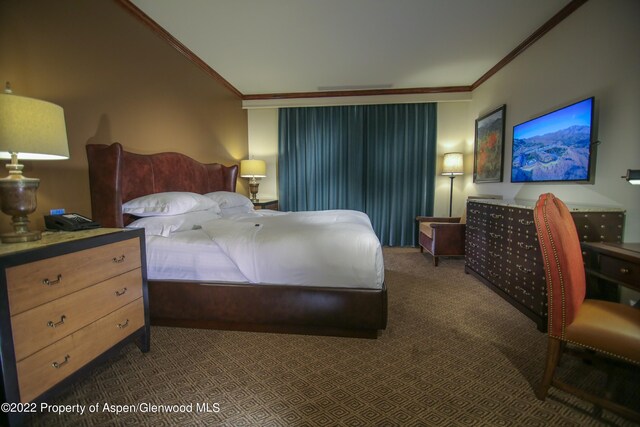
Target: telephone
[{"x": 69, "y": 222}]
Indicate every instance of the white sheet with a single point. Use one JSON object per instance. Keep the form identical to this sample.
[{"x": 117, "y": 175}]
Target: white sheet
[
  {"x": 335, "y": 248},
  {"x": 321, "y": 248}
]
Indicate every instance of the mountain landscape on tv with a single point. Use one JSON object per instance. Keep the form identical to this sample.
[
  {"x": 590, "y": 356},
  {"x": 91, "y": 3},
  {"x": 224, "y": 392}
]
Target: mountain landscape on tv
[{"x": 557, "y": 156}]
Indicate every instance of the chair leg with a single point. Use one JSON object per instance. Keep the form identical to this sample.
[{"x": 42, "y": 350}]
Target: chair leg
[
  {"x": 421, "y": 249},
  {"x": 435, "y": 261},
  {"x": 554, "y": 350}
]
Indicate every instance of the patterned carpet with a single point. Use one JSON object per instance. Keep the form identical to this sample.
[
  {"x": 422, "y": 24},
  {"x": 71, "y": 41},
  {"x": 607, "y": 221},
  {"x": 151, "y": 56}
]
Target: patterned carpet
[{"x": 454, "y": 354}]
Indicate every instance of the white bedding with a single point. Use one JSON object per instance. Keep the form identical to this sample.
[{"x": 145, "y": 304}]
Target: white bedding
[{"x": 320, "y": 248}]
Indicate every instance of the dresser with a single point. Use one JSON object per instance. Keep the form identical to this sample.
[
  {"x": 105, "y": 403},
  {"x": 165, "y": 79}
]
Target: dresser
[
  {"x": 68, "y": 300},
  {"x": 502, "y": 249}
]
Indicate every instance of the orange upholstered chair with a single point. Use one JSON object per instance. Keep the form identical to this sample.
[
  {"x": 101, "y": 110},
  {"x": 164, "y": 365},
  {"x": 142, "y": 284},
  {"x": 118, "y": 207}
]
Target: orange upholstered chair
[{"x": 602, "y": 328}]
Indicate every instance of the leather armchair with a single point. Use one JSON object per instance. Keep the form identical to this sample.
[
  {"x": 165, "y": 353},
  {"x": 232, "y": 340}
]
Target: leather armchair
[{"x": 441, "y": 236}]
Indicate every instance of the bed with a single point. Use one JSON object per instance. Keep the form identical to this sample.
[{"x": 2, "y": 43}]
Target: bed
[{"x": 228, "y": 302}]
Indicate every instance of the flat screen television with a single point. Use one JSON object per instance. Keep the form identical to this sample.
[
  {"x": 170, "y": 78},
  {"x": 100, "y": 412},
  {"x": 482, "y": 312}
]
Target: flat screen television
[{"x": 555, "y": 146}]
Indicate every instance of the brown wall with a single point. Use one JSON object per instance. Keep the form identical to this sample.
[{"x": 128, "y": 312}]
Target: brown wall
[{"x": 117, "y": 81}]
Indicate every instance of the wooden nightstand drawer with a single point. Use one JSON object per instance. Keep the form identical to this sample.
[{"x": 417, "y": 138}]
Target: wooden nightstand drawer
[
  {"x": 36, "y": 283},
  {"x": 51, "y": 365},
  {"x": 37, "y": 328}
]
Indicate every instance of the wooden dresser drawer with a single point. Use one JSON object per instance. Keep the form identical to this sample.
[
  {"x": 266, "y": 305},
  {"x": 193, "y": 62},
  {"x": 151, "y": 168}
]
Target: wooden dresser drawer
[
  {"x": 618, "y": 269},
  {"x": 36, "y": 328},
  {"x": 51, "y": 365},
  {"x": 36, "y": 283}
]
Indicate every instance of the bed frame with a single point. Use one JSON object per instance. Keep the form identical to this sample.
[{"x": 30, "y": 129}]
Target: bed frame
[{"x": 117, "y": 176}]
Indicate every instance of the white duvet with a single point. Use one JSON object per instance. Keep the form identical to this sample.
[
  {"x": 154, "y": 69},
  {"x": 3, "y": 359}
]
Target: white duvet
[{"x": 320, "y": 248}]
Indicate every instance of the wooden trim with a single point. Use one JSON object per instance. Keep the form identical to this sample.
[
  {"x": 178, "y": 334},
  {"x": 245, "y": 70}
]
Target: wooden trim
[
  {"x": 537, "y": 35},
  {"x": 369, "y": 92},
  {"x": 157, "y": 28}
]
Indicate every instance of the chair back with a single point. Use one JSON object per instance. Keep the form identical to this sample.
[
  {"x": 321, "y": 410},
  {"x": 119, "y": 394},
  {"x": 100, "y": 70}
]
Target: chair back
[{"x": 563, "y": 264}]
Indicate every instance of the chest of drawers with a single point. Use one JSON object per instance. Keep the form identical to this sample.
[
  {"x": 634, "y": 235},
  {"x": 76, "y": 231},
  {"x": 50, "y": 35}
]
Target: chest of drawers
[
  {"x": 66, "y": 301},
  {"x": 502, "y": 250}
]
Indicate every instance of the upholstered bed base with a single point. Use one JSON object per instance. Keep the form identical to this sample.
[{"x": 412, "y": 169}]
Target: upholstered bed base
[
  {"x": 269, "y": 308},
  {"x": 117, "y": 176}
]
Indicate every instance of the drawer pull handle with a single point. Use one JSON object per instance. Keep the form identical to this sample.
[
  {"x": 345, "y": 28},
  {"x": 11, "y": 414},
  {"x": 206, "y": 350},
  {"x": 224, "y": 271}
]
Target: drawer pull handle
[
  {"x": 523, "y": 269},
  {"x": 58, "y": 365},
  {"x": 495, "y": 235},
  {"x": 122, "y": 292},
  {"x": 52, "y": 282},
  {"x": 496, "y": 216},
  {"x": 494, "y": 254},
  {"x": 525, "y": 222},
  {"x": 521, "y": 289},
  {"x": 119, "y": 259},
  {"x": 123, "y": 325},
  {"x": 53, "y": 324},
  {"x": 624, "y": 270},
  {"x": 475, "y": 211},
  {"x": 525, "y": 246}
]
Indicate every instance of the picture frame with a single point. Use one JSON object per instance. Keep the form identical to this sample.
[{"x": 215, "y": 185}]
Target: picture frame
[{"x": 488, "y": 151}]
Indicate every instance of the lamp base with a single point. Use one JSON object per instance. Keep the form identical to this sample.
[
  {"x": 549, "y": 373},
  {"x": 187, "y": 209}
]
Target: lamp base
[
  {"x": 20, "y": 237},
  {"x": 253, "y": 189},
  {"x": 18, "y": 199}
]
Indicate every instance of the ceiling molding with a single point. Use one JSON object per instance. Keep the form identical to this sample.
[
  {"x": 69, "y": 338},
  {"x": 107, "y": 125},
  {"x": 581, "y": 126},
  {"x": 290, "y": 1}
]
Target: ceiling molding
[
  {"x": 367, "y": 92},
  {"x": 164, "y": 34},
  {"x": 357, "y": 100},
  {"x": 535, "y": 36}
]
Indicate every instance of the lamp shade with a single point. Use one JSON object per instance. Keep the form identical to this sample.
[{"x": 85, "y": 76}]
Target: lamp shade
[
  {"x": 253, "y": 168},
  {"x": 33, "y": 129},
  {"x": 452, "y": 164}
]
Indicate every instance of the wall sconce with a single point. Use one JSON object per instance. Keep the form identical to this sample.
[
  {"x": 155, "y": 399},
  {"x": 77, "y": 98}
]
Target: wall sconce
[
  {"x": 452, "y": 166},
  {"x": 253, "y": 169},
  {"x": 633, "y": 176},
  {"x": 30, "y": 129}
]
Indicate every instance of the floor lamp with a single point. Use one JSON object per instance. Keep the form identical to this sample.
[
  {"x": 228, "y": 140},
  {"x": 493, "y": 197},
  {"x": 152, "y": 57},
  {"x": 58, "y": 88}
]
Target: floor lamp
[{"x": 452, "y": 166}]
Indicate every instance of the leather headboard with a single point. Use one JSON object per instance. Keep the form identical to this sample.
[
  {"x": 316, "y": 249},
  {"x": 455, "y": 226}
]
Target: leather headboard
[{"x": 117, "y": 176}]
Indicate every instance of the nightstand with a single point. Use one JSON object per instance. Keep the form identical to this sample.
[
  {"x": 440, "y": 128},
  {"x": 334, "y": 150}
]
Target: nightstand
[
  {"x": 266, "y": 204},
  {"x": 67, "y": 302}
]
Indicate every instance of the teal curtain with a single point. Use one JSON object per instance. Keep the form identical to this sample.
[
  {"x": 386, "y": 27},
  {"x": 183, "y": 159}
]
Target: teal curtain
[{"x": 377, "y": 159}]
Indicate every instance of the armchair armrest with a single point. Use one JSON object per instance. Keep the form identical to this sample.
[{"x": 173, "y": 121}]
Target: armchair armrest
[{"x": 448, "y": 237}]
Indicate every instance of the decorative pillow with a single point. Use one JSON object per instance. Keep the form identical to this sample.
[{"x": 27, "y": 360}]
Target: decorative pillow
[
  {"x": 165, "y": 225},
  {"x": 169, "y": 203},
  {"x": 228, "y": 199}
]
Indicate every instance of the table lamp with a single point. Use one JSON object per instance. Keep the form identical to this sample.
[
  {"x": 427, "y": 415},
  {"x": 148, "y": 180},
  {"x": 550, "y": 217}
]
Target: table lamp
[
  {"x": 452, "y": 165},
  {"x": 30, "y": 129},
  {"x": 253, "y": 169}
]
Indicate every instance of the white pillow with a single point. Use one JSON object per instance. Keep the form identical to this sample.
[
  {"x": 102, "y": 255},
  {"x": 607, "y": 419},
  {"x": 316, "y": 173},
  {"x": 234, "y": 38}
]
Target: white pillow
[
  {"x": 169, "y": 203},
  {"x": 228, "y": 199},
  {"x": 225, "y": 212},
  {"x": 165, "y": 225}
]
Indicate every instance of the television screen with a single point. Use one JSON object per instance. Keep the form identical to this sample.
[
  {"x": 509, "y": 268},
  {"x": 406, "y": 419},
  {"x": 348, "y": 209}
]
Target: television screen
[{"x": 554, "y": 147}]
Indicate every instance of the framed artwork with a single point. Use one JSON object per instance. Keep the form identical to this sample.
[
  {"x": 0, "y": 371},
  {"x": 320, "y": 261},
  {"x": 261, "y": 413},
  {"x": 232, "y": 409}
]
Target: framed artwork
[{"x": 488, "y": 152}]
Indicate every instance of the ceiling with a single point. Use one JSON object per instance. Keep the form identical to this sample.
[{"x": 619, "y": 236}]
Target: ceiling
[{"x": 291, "y": 46}]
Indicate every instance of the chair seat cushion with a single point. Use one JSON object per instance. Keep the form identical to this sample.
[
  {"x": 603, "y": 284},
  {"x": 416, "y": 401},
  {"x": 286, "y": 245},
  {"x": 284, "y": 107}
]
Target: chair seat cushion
[
  {"x": 609, "y": 327},
  {"x": 425, "y": 228}
]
